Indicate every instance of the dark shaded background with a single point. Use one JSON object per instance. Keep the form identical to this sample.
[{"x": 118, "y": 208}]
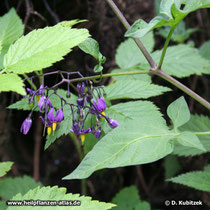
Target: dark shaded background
[{"x": 61, "y": 158}]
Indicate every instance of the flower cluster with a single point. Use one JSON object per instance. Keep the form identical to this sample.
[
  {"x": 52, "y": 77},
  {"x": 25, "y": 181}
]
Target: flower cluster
[
  {"x": 50, "y": 120},
  {"x": 88, "y": 113},
  {"x": 91, "y": 103}
]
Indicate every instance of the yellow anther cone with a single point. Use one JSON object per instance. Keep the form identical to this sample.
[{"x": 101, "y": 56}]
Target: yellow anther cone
[
  {"x": 54, "y": 125},
  {"x": 82, "y": 136},
  {"x": 37, "y": 97},
  {"x": 49, "y": 130},
  {"x": 103, "y": 113}
]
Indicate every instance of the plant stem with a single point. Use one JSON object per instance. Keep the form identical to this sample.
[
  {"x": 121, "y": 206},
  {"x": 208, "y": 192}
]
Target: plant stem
[
  {"x": 165, "y": 46},
  {"x": 29, "y": 81},
  {"x": 154, "y": 69},
  {"x": 127, "y": 26},
  {"x": 182, "y": 87}
]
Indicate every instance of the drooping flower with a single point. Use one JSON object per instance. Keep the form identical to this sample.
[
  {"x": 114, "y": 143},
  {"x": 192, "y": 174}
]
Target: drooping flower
[
  {"x": 38, "y": 92},
  {"x": 26, "y": 125},
  {"x": 77, "y": 130},
  {"x": 112, "y": 123},
  {"x": 97, "y": 133},
  {"x": 81, "y": 88},
  {"x": 99, "y": 105},
  {"x": 44, "y": 102},
  {"x": 80, "y": 102},
  {"x": 55, "y": 119},
  {"x": 47, "y": 124}
]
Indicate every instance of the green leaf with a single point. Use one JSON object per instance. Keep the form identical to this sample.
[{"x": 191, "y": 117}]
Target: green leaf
[
  {"x": 70, "y": 23},
  {"x": 128, "y": 53},
  {"x": 138, "y": 142},
  {"x": 22, "y": 104},
  {"x": 196, "y": 124},
  {"x": 205, "y": 50},
  {"x": 129, "y": 199},
  {"x": 133, "y": 86},
  {"x": 11, "y": 27},
  {"x": 172, "y": 166},
  {"x": 11, "y": 82},
  {"x": 5, "y": 167},
  {"x": 59, "y": 194},
  {"x": 183, "y": 61},
  {"x": 91, "y": 47},
  {"x": 199, "y": 180},
  {"x": 178, "y": 112},
  {"x": 0, "y": 46},
  {"x": 143, "y": 206},
  {"x": 3, "y": 205},
  {"x": 2, "y": 53},
  {"x": 189, "y": 139},
  {"x": 41, "y": 48},
  {"x": 11, "y": 186},
  {"x": 180, "y": 34},
  {"x": 124, "y": 112},
  {"x": 207, "y": 168},
  {"x": 172, "y": 14}
]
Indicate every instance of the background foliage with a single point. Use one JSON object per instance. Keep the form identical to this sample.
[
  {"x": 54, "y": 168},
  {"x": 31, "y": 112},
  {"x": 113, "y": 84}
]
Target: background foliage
[{"x": 187, "y": 61}]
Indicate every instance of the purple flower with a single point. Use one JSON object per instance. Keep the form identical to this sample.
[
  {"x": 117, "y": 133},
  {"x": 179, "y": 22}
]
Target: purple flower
[
  {"x": 46, "y": 123},
  {"x": 43, "y": 101},
  {"x": 80, "y": 102},
  {"x": 38, "y": 92},
  {"x": 26, "y": 125},
  {"x": 97, "y": 133},
  {"x": 112, "y": 123},
  {"x": 58, "y": 117},
  {"x": 77, "y": 130},
  {"x": 100, "y": 105},
  {"x": 81, "y": 88}
]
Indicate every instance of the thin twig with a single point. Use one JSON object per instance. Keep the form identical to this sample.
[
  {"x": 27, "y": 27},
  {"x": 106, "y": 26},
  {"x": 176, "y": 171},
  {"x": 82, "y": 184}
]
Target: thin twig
[
  {"x": 142, "y": 180},
  {"x": 52, "y": 13}
]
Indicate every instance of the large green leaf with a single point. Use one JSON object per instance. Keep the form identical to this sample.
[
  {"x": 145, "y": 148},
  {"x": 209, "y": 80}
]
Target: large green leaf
[
  {"x": 41, "y": 48},
  {"x": 133, "y": 86},
  {"x": 11, "y": 82},
  {"x": 128, "y": 53},
  {"x": 141, "y": 141},
  {"x": 124, "y": 112},
  {"x": 129, "y": 199},
  {"x": 5, "y": 167},
  {"x": 196, "y": 124},
  {"x": 178, "y": 112},
  {"x": 11, "y": 27},
  {"x": 9, "y": 187},
  {"x": 199, "y": 180},
  {"x": 172, "y": 14},
  {"x": 59, "y": 194},
  {"x": 183, "y": 61},
  {"x": 91, "y": 47},
  {"x": 205, "y": 50}
]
